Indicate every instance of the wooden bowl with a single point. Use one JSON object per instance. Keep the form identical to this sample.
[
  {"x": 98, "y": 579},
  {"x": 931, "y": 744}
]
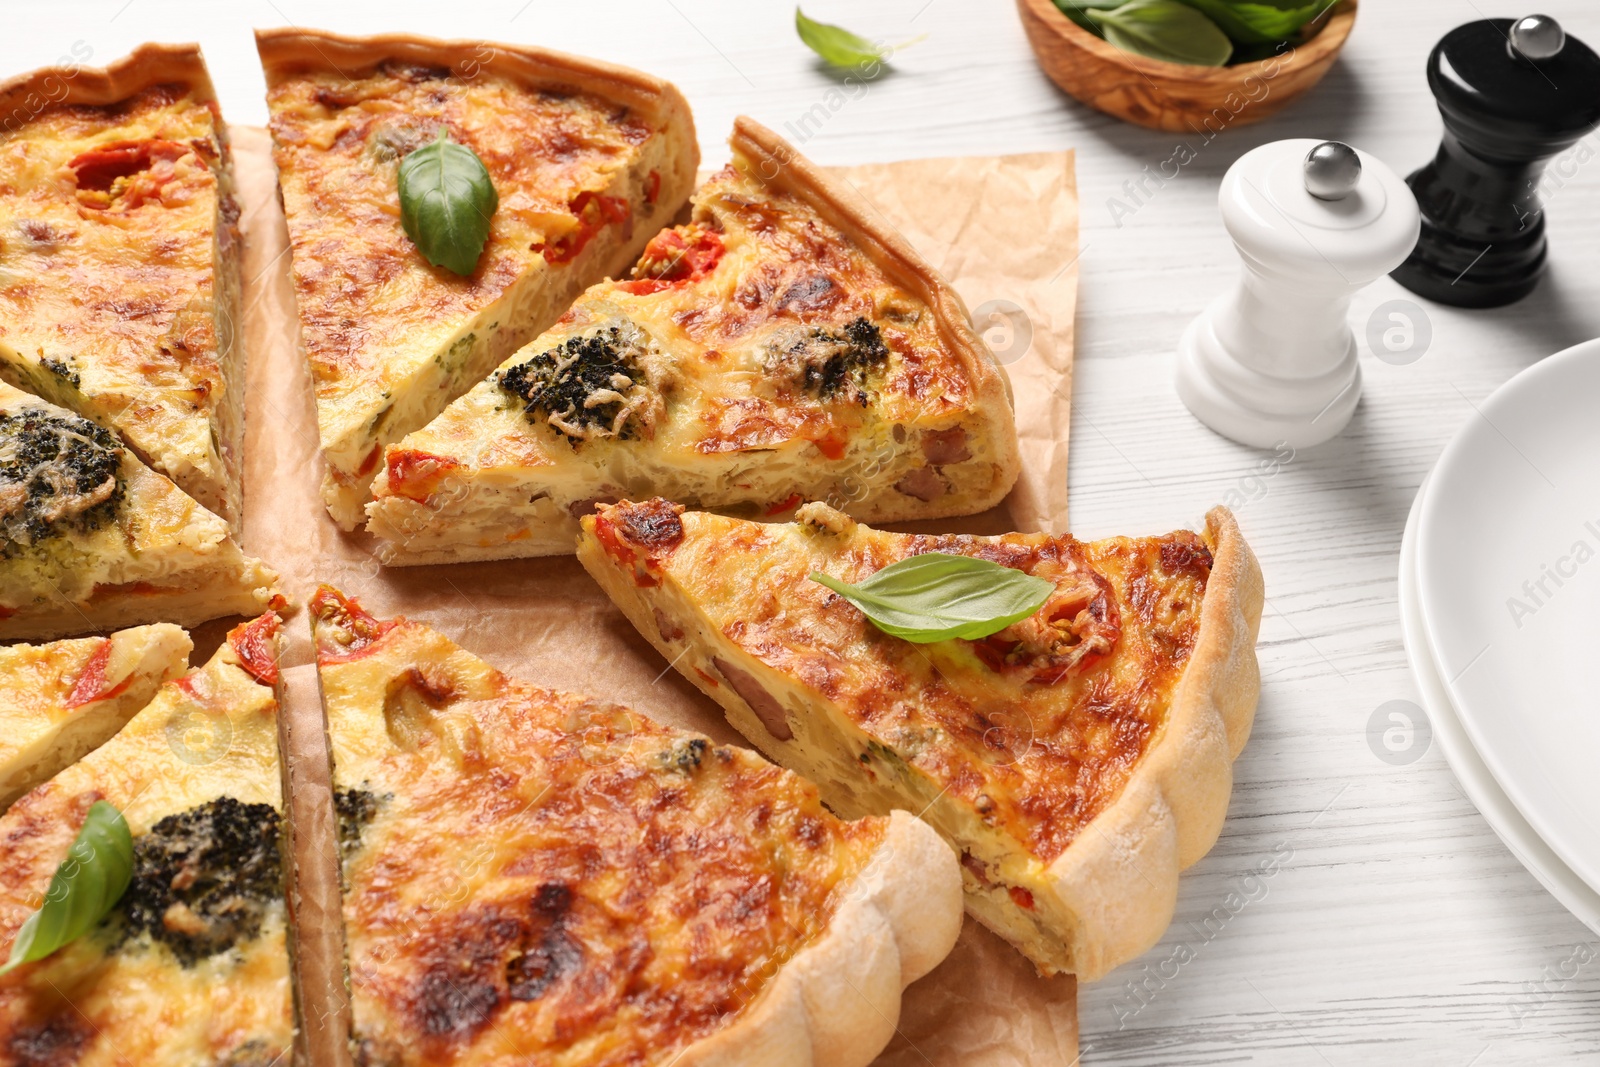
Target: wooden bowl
[{"x": 1173, "y": 96}]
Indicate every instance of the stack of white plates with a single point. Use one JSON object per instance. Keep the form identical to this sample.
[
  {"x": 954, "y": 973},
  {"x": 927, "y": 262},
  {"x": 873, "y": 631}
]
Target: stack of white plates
[{"x": 1500, "y": 607}]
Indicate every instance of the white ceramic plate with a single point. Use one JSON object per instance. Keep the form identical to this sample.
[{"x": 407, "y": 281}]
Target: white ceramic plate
[
  {"x": 1508, "y": 583},
  {"x": 1480, "y": 787}
]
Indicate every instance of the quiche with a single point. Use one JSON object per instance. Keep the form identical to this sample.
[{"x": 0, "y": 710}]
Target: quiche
[
  {"x": 1076, "y": 759},
  {"x": 191, "y": 967},
  {"x": 60, "y": 701},
  {"x": 587, "y": 160},
  {"x": 536, "y": 877},
  {"x": 92, "y": 539},
  {"x": 781, "y": 346},
  {"x": 119, "y": 261}
]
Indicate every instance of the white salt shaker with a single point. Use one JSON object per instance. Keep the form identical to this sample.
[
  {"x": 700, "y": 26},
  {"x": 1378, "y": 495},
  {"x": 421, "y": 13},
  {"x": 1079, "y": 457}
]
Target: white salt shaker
[{"x": 1274, "y": 361}]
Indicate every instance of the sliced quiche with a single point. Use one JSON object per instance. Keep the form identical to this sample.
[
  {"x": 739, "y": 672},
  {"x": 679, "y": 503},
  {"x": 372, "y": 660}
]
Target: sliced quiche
[
  {"x": 782, "y": 346},
  {"x": 60, "y": 701},
  {"x": 119, "y": 261},
  {"x": 535, "y": 877},
  {"x": 92, "y": 539},
  {"x": 191, "y": 965},
  {"x": 587, "y": 161},
  {"x": 1076, "y": 759}
]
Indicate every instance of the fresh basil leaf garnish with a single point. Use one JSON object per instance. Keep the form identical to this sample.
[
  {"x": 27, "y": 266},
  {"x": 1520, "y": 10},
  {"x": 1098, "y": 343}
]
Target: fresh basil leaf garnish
[
  {"x": 1167, "y": 30},
  {"x": 839, "y": 47},
  {"x": 85, "y": 887},
  {"x": 446, "y": 202},
  {"x": 939, "y": 597}
]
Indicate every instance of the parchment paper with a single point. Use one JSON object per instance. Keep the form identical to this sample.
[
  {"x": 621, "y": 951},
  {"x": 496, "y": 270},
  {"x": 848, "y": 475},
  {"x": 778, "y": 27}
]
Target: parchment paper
[{"x": 1003, "y": 230}]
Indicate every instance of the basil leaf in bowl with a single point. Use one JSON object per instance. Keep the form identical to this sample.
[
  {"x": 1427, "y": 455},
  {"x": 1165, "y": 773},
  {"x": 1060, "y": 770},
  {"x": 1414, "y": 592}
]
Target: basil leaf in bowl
[
  {"x": 1078, "y": 11},
  {"x": 85, "y": 887},
  {"x": 1168, "y": 30},
  {"x": 938, "y": 596},
  {"x": 1260, "y": 21},
  {"x": 446, "y": 201}
]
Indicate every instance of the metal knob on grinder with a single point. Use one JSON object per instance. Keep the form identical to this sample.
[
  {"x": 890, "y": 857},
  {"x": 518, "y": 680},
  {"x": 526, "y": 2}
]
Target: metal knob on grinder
[
  {"x": 1536, "y": 37},
  {"x": 1333, "y": 170}
]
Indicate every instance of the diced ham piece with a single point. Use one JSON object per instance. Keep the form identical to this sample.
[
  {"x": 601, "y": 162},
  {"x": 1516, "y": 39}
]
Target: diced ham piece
[
  {"x": 945, "y": 446},
  {"x": 922, "y": 483},
  {"x": 669, "y": 630},
  {"x": 763, "y": 703}
]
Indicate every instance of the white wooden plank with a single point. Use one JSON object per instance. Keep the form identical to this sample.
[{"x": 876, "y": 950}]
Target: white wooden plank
[{"x": 1398, "y": 929}]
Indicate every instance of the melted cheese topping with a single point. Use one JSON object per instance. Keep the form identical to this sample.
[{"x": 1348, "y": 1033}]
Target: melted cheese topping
[
  {"x": 109, "y": 277},
  {"x": 766, "y": 276},
  {"x": 785, "y": 274},
  {"x": 1036, "y": 728},
  {"x": 41, "y": 682},
  {"x": 59, "y": 700},
  {"x": 774, "y": 362},
  {"x": 374, "y": 313},
  {"x": 549, "y": 879},
  {"x": 723, "y": 336},
  {"x": 158, "y": 538},
  {"x": 104, "y": 1001}
]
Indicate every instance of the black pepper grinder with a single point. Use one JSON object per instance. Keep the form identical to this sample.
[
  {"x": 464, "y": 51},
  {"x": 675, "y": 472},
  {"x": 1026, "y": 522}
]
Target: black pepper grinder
[{"x": 1513, "y": 94}]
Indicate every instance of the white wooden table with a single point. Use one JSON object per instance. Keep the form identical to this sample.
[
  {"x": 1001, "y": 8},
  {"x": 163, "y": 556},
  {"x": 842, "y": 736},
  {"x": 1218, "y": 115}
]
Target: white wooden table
[{"x": 1395, "y": 928}]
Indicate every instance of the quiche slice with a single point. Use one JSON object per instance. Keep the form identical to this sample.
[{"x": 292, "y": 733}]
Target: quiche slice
[
  {"x": 535, "y": 877},
  {"x": 1076, "y": 760},
  {"x": 119, "y": 260},
  {"x": 61, "y": 701},
  {"x": 588, "y": 160},
  {"x": 191, "y": 967},
  {"x": 782, "y": 346},
  {"x": 92, "y": 539}
]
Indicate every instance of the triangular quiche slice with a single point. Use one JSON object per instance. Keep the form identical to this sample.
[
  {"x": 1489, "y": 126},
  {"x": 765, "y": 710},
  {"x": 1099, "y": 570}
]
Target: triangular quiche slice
[
  {"x": 63, "y": 700},
  {"x": 536, "y": 877},
  {"x": 1076, "y": 760},
  {"x": 784, "y": 345},
  {"x": 92, "y": 539},
  {"x": 588, "y": 161},
  {"x": 191, "y": 966},
  {"x": 119, "y": 267}
]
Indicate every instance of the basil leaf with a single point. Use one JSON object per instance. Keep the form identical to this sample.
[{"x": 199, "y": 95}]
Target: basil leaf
[
  {"x": 1255, "y": 53},
  {"x": 839, "y": 47},
  {"x": 938, "y": 596},
  {"x": 1286, "y": 5},
  {"x": 1167, "y": 30},
  {"x": 85, "y": 887},
  {"x": 446, "y": 201},
  {"x": 1078, "y": 11},
  {"x": 1260, "y": 22}
]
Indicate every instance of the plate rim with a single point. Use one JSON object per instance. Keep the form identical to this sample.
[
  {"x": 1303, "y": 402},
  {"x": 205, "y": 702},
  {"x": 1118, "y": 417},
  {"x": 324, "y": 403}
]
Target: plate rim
[
  {"x": 1509, "y": 392},
  {"x": 1465, "y": 762}
]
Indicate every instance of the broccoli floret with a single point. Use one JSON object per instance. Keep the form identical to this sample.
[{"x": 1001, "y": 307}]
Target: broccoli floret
[
  {"x": 58, "y": 473},
  {"x": 831, "y": 364},
  {"x": 356, "y": 808},
  {"x": 586, "y": 387},
  {"x": 204, "y": 878}
]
